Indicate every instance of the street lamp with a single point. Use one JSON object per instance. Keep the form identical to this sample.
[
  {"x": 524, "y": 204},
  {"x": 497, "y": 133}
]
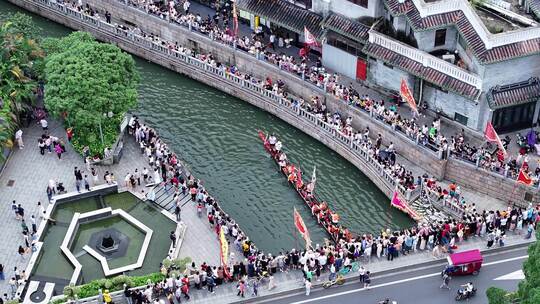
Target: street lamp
[{"x": 106, "y": 115}]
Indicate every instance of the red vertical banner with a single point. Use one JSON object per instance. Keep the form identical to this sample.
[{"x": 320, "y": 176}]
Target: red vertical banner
[{"x": 361, "y": 69}]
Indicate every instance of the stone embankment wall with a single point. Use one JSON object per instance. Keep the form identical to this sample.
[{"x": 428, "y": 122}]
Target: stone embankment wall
[{"x": 464, "y": 173}]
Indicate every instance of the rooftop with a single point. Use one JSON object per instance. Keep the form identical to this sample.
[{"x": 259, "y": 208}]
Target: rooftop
[{"x": 503, "y": 15}]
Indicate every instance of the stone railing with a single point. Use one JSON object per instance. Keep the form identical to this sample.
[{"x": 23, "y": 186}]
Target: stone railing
[
  {"x": 251, "y": 85},
  {"x": 425, "y": 59},
  {"x": 449, "y": 207},
  {"x": 489, "y": 40}
]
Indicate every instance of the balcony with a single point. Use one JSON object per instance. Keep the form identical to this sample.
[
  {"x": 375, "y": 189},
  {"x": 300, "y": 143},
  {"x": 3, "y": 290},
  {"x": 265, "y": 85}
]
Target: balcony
[{"x": 425, "y": 62}]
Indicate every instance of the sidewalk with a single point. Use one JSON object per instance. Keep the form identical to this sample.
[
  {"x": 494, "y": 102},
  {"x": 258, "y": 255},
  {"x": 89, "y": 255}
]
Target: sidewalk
[{"x": 25, "y": 180}]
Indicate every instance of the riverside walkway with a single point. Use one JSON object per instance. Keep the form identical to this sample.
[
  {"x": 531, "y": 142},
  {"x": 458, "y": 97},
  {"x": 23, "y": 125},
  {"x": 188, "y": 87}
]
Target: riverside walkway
[{"x": 25, "y": 179}]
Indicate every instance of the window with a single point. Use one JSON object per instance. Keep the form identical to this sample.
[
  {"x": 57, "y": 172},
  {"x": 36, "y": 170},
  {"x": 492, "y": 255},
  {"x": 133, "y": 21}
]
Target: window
[
  {"x": 462, "y": 119},
  {"x": 362, "y": 3},
  {"x": 440, "y": 37}
]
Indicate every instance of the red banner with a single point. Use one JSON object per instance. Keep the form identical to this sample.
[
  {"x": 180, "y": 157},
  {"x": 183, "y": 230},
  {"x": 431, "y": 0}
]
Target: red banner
[
  {"x": 492, "y": 136},
  {"x": 301, "y": 227},
  {"x": 406, "y": 94},
  {"x": 309, "y": 39}
]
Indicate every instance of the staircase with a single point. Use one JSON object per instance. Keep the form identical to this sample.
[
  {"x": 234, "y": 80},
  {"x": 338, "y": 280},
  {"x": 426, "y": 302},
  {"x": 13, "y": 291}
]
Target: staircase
[{"x": 165, "y": 199}]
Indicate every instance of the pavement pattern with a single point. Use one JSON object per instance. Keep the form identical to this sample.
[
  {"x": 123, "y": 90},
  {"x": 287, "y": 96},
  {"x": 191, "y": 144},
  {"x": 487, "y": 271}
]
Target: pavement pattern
[{"x": 25, "y": 179}]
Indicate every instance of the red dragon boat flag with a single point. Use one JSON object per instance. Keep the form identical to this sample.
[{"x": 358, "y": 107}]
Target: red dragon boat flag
[
  {"x": 406, "y": 94},
  {"x": 492, "y": 136},
  {"x": 301, "y": 227},
  {"x": 403, "y": 206}
]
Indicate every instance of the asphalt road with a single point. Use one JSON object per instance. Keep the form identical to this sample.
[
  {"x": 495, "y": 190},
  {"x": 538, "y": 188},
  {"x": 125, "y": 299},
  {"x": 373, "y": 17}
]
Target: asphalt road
[{"x": 420, "y": 286}]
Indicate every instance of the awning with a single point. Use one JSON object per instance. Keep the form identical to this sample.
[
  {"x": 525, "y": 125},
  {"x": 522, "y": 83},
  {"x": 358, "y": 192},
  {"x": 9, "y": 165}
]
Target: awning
[
  {"x": 285, "y": 14},
  {"x": 351, "y": 29},
  {"x": 514, "y": 94}
]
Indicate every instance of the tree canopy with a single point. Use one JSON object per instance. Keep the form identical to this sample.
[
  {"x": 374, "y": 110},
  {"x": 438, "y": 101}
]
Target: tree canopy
[
  {"x": 20, "y": 60},
  {"x": 86, "y": 82},
  {"x": 529, "y": 289}
]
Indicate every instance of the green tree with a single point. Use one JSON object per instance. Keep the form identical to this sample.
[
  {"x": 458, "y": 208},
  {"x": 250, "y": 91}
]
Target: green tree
[
  {"x": 89, "y": 84},
  {"x": 529, "y": 289},
  {"x": 20, "y": 55}
]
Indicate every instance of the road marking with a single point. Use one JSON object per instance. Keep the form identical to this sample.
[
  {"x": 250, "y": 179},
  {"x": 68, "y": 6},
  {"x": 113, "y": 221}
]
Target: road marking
[
  {"x": 516, "y": 275},
  {"x": 402, "y": 281}
]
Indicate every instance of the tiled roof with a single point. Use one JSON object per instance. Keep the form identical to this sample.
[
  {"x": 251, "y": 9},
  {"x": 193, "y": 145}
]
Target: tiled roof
[
  {"x": 535, "y": 7},
  {"x": 349, "y": 28},
  {"x": 514, "y": 94},
  {"x": 469, "y": 34},
  {"x": 285, "y": 14},
  {"x": 427, "y": 73}
]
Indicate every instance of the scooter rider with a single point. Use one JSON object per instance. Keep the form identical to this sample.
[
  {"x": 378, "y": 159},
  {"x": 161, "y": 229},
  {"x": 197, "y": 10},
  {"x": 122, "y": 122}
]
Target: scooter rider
[{"x": 468, "y": 288}]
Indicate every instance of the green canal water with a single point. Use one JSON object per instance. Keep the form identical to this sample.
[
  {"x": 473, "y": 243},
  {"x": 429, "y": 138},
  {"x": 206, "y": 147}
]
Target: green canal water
[{"x": 216, "y": 136}]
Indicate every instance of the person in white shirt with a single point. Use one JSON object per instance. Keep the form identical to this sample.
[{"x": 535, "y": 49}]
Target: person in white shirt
[
  {"x": 18, "y": 138},
  {"x": 44, "y": 124},
  {"x": 186, "y": 7}
]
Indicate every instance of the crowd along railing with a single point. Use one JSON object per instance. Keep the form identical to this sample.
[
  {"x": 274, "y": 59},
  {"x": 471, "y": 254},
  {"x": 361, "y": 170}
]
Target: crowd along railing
[
  {"x": 252, "y": 85},
  {"x": 301, "y": 77}
]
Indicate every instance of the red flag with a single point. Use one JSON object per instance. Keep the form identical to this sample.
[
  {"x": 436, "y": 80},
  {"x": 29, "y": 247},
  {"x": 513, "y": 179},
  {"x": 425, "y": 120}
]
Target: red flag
[
  {"x": 301, "y": 227},
  {"x": 524, "y": 178},
  {"x": 309, "y": 39},
  {"x": 406, "y": 94},
  {"x": 403, "y": 206},
  {"x": 492, "y": 136}
]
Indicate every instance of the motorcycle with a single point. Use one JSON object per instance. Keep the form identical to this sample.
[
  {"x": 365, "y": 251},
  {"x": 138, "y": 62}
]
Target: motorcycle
[
  {"x": 339, "y": 280},
  {"x": 464, "y": 295}
]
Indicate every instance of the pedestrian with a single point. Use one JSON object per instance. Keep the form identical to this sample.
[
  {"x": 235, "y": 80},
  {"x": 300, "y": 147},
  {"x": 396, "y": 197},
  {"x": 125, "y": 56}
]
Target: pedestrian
[
  {"x": 41, "y": 146},
  {"x": 178, "y": 295},
  {"x": 137, "y": 176},
  {"x": 44, "y": 124},
  {"x": 445, "y": 281},
  {"x": 15, "y": 209},
  {"x": 367, "y": 280},
  {"x": 210, "y": 283},
  {"x": 93, "y": 171},
  {"x": 241, "y": 288},
  {"x": 271, "y": 282},
  {"x": 50, "y": 192},
  {"x": 86, "y": 183},
  {"x": 18, "y": 138},
  {"x": 58, "y": 150},
  {"x": 255, "y": 287},
  {"x": 185, "y": 291},
  {"x": 21, "y": 252},
  {"x": 172, "y": 236},
  {"x": 20, "y": 211},
  {"x": 41, "y": 210},
  {"x": 34, "y": 225},
  {"x": 2, "y": 276},
  {"x": 362, "y": 273},
  {"x": 199, "y": 209},
  {"x": 177, "y": 213},
  {"x": 107, "y": 297},
  {"x": 308, "y": 286},
  {"x": 13, "y": 287}
]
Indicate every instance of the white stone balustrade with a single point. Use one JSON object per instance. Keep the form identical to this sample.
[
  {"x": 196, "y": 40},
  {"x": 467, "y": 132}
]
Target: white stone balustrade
[
  {"x": 490, "y": 40},
  {"x": 425, "y": 59}
]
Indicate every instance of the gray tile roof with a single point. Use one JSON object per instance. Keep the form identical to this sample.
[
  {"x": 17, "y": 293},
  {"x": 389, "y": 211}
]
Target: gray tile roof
[
  {"x": 285, "y": 14},
  {"x": 349, "y": 28},
  {"x": 514, "y": 94},
  {"x": 467, "y": 31}
]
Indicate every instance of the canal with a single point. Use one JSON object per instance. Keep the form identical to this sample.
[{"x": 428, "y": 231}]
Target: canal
[{"x": 216, "y": 136}]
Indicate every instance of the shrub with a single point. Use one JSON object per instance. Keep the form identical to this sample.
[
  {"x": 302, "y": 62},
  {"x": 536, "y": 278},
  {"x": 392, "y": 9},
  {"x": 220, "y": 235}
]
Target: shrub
[{"x": 497, "y": 296}]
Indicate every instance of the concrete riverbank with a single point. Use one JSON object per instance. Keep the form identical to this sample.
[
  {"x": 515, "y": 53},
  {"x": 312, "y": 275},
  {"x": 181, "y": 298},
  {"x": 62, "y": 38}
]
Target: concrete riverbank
[{"x": 452, "y": 169}]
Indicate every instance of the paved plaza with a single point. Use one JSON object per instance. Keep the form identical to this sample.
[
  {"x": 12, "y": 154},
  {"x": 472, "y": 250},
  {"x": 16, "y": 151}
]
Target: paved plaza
[{"x": 25, "y": 180}]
